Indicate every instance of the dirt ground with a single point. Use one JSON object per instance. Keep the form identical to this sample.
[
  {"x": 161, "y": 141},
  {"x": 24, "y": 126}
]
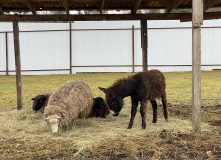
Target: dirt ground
[{"x": 165, "y": 144}]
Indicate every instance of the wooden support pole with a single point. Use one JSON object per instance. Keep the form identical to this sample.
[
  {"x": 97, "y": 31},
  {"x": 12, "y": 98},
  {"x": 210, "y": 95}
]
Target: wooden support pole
[
  {"x": 197, "y": 17},
  {"x": 17, "y": 64},
  {"x": 144, "y": 43}
]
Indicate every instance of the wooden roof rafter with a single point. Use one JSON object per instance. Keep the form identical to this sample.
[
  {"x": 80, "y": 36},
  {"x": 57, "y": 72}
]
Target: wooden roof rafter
[
  {"x": 66, "y": 6},
  {"x": 30, "y": 6},
  {"x": 209, "y": 4},
  {"x": 102, "y": 6},
  {"x": 136, "y": 6},
  {"x": 1, "y": 11},
  {"x": 174, "y": 5}
]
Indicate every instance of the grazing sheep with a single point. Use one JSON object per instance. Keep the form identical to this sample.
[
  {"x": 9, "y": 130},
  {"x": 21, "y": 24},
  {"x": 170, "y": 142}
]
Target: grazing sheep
[
  {"x": 141, "y": 87},
  {"x": 40, "y": 101},
  {"x": 100, "y": 108},
  {"x": 71, "y": 101}
]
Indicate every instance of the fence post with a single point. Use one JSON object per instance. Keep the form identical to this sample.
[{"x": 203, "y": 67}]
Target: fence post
[
  {"x": 6, "y": 52},
  {"x": 133, "y": 46},
  {"x": 70, "y": 48},
  {"x": 17, "y": 64},
  {"x": 197, "y": 20},
  {"x": 144, "y": 43}
]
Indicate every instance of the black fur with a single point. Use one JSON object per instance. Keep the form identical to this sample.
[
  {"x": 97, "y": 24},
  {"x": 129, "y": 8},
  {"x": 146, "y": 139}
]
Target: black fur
[{"x": 141, "y": 87}]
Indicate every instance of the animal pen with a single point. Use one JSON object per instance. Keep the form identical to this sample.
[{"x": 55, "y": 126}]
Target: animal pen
[{"x": 200, "y": 12}]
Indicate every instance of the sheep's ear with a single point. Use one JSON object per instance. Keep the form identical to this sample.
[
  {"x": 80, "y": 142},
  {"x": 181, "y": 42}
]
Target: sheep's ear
[
  {"x": 46, "y": 119},
  {"x": 58, "y": 117},
  {"x": 32, "y": 98}
]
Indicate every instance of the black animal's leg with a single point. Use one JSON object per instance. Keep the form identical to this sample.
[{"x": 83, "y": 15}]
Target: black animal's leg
[
  {"x": 164, "y": 101},
  {"x": 143, "y": 113},
  {"x": 133, "y": 112},
  {"x": 154, "y": 106}
]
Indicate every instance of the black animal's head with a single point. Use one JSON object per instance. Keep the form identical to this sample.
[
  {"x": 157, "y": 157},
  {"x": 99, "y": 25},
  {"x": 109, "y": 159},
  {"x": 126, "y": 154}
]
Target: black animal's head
[
  {"x": 38, "y": 102},
  {"x": 115, "y": 102},
  {"x": 98, "y": 103}
]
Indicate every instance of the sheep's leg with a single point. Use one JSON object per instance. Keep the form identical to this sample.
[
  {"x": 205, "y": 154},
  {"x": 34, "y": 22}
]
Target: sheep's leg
[
  {"x": 154, "y": 106},
  {"x": 143, "y": 113},
  {"x": 164, "y": 101},
  {"x": 133, "y": 112}
]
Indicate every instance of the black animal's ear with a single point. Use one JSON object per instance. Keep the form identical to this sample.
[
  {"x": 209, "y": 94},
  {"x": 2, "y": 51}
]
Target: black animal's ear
[
  {"x": 32, "y": 99},
  {"x": 103, "y": 89}
]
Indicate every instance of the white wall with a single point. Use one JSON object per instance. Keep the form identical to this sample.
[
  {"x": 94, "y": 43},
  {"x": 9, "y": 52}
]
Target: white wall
[{"x": 107, "y": 43}]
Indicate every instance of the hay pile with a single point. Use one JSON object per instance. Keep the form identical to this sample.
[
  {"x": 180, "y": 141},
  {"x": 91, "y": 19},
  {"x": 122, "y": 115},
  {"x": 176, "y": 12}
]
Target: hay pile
[{"x": 24, "y": 134}]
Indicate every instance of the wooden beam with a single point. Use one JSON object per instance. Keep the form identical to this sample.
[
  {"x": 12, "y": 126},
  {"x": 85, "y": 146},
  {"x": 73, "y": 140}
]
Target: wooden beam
[
  {"x": 30, "y": 6},
  {"x": 197, "y": 14},
  {"x": 137, "y": 5},
  {"x": 107, "y": 17},
  {"x": 144, "y": 43},
  {"x": 208, "y": 4},
  {"x": 66, "y": 6},
  {"x": 173, "y": 5},
  {"x": 17, "y": 64},
  {"x": 1, "y": 11},
  {"x": 102, "y": 6}
]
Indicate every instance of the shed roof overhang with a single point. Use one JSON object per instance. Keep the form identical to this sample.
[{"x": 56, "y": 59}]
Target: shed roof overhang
[{"x": 160, "y": 10}]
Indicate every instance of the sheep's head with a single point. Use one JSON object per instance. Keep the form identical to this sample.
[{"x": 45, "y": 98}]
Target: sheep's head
[{"x": 53, "y": 121}]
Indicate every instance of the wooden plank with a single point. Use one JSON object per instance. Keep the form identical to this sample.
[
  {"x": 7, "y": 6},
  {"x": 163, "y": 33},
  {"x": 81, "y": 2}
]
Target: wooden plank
[
  {"x": 66, "y": 6},
  {"x": 102, "y": 6},
  {"x": 137, "y": 5},
  {"x": 173, "y": 5},
  {"x": 209, "y": 3},
  {"x": 17, "y": 64},
  {"x": 107, "y": 17},
  {"x": 196, "y": 64},
  {"x": 144, "y": 43},
  {"x": 1, "y": 11},
  {"x": 30, "y": 6}
]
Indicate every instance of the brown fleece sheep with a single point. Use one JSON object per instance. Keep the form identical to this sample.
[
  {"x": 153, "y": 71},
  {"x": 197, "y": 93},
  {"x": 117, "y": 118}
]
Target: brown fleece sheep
[
  {"x": 100, "y": 108},
  {"x": 141, "y": 87},
  {"x": 40, "y": 102},
  {"x": 71, "y": 101}
]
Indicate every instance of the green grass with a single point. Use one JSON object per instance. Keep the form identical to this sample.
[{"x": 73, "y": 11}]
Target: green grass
[{"x": 179, "y": 86}]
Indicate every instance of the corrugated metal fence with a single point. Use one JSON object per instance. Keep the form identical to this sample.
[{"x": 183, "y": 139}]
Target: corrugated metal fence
[{"x": 106, "y": 46}]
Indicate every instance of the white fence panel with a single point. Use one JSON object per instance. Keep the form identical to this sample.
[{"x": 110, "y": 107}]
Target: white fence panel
[
  {"x": 99, "y": 48},
  {"x": 2, "y": 54}
]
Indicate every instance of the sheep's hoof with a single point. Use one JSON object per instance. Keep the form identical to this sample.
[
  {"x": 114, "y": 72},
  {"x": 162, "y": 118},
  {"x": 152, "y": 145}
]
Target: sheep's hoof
[
  {"x": 166, "y": 120},
  {"x": 154, "y": 121},
  {"x": 129, "y": 127}
]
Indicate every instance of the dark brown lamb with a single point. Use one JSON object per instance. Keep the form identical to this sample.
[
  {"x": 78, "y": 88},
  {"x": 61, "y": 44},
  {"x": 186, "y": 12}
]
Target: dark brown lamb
[
  {"x": 141, "y": 87},
  {"x": 100, "y": 108}
]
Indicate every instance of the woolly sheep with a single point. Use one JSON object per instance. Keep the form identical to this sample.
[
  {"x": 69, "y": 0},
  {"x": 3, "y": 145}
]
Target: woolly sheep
[
  {"x": 71, "y": 101},
  {"x": 40, "y": 102}
]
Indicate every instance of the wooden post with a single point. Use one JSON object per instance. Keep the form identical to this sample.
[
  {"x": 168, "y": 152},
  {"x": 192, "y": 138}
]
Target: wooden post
[
  {"x": 144, "y": 43},
  {"x": 133, "y": 47},
  {"x": 70, "y": 49},
  {"x": 197, "y": 20},
  {"x": 17, "y": 64}
]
